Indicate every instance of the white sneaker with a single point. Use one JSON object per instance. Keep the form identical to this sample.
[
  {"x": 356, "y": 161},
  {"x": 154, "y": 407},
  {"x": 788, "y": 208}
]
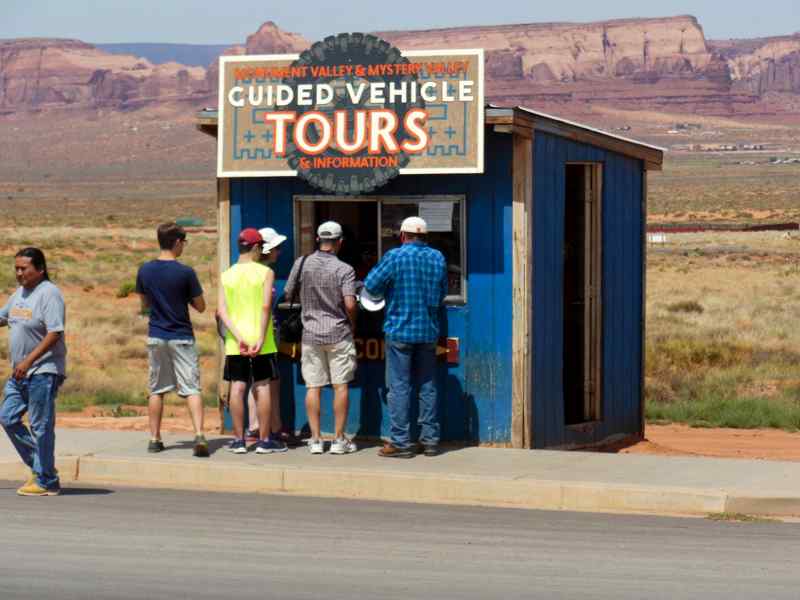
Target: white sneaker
[
  {"x": 343, "y": 446},
  {"x": 316, "y": 446}
]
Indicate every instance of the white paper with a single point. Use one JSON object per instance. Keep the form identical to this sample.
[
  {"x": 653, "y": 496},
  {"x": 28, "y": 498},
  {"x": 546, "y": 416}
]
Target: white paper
[{"x": 438, "y": 215}]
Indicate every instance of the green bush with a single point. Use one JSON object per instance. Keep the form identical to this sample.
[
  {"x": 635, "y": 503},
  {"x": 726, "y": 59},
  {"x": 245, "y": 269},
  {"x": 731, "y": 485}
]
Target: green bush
[{"x": 126, "y": 289}]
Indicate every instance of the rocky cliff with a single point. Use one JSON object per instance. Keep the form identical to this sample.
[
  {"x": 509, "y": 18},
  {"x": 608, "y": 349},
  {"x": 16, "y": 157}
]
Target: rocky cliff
[
  {"x": 37, "y": 74},
  {"x": 660, "y": 64}
]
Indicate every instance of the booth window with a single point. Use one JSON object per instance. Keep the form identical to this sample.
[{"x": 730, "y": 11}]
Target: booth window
[{"x": 371, "y": 226}]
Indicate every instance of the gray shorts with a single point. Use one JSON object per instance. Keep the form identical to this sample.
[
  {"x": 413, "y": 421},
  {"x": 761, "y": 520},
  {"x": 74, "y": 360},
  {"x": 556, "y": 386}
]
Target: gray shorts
[
  {"x": 328, "y": 364},
  {"x": 173, "y": 364}
]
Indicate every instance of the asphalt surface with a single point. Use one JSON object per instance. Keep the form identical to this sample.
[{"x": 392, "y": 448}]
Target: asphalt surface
[{"x": 134, "y": 543}]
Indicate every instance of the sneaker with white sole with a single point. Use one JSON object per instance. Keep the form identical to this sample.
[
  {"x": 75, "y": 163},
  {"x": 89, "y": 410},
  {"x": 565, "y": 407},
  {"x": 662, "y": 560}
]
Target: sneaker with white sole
[
  {"x": 238, "y": 447},
  {"x": 343, "y": 446},
  {"x": 270, "y": 446},
  {"x": 316, "y": 446}
]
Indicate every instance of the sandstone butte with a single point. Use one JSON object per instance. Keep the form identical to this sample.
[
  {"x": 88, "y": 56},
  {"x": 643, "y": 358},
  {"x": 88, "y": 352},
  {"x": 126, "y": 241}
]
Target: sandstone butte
[{"x": 654, "y": 64}]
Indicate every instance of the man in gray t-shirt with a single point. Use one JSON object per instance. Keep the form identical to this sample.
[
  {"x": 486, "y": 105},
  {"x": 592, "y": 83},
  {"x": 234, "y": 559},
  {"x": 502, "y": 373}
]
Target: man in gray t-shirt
[
  {"x": 35, "y": 315},
  {"x": 30, "y": 315}
]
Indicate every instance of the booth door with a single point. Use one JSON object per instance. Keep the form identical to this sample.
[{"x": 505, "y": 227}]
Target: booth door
[{"x": 582, "y": 284}]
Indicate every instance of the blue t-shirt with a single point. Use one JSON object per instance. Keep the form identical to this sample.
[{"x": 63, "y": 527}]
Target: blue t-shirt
[{"x": 169, "y": 286}]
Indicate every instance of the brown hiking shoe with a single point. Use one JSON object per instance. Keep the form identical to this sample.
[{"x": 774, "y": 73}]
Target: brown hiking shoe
[{"x": 390, "y": 451}]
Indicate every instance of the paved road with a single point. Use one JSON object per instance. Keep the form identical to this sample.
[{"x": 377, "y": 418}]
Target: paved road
[{"x": 142, "y": 544}]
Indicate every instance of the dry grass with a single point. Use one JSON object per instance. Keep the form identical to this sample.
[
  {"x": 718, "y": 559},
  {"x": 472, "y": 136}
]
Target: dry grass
[
  {"x": 107, "y": 362},
  {"x": 722, "y": 340},
  {"x": 714, "y": 187},
  {"x": 723, "y": 348}
]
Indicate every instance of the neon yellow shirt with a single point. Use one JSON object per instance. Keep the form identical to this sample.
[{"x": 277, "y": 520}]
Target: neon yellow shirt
[{"x": 243, "y": 285}]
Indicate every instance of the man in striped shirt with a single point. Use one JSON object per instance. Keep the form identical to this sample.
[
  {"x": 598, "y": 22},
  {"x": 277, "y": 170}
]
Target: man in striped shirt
[
  {"x": 328, "y": 311},
  {"x": 413, "y": 279}
]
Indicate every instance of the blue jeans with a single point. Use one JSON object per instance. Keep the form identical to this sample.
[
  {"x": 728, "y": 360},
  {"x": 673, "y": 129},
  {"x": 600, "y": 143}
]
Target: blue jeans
[
  {"x": 410, "y": 367},
  {"x": 35, "y": 395}
]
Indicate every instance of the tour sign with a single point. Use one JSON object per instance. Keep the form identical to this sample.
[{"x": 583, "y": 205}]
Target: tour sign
[{"x": 350, "y": 113}]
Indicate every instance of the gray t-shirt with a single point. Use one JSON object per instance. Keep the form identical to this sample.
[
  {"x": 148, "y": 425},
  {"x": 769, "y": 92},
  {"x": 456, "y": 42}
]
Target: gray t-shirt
[{"x": 31, "y": 315}]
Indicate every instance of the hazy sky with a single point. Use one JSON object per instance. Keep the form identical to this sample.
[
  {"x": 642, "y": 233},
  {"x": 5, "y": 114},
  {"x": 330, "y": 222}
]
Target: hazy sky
[{"x": 230, "y": 21}]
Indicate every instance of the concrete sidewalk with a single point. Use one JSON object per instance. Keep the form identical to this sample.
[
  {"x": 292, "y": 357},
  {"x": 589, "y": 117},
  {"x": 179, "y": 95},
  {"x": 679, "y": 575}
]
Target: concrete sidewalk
[{"x": 584, "y": 481}]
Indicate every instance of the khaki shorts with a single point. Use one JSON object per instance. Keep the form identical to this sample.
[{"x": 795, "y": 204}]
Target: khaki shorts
[
  {"x": 173, "y": 365},
  {"x": 329, "y": 364}
]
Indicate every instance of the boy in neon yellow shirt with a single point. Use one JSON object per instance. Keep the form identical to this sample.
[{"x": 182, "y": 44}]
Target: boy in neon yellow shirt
[{"x": 244, "y": 306}]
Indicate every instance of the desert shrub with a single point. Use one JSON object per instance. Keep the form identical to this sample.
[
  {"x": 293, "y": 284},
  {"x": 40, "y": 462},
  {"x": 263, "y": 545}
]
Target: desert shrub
[
  {"x": 687, "y": 306},
  {"x": 126, "y": 289},
  {"x": 121, "y": 411},
  {"x": 687, "y": 354}
]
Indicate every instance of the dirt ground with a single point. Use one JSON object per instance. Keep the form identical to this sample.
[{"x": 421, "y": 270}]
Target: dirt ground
[
  {"x": 665, "y": 440},
  {"x": 176, "y": 419},
  {"x": 682, "y": 440}
]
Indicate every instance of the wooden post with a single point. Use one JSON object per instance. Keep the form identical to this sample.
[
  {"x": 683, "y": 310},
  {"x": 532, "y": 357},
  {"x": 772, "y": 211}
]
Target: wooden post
[
  {"x": 223, "y": 262},
  {"x": 522, "y": 204}
]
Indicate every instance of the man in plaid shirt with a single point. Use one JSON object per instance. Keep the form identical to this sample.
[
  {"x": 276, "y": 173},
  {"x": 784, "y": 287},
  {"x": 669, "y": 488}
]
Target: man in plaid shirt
[{"x": 413, "y": 280}]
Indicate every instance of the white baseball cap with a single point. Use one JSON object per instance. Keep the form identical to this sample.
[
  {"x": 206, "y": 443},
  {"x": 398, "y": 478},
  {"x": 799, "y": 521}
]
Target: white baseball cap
[
  {"x": 330, "y": 230},
  {"x": 414, "y": 225},
  {"x": 272, "y": 239}
]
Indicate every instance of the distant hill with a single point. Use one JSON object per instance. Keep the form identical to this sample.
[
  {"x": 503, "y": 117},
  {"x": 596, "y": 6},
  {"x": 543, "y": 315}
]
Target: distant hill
[{"x": 193, "y": 55}]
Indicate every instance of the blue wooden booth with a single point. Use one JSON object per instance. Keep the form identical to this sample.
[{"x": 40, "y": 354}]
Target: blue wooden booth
[{"x": 543, "y": 342}]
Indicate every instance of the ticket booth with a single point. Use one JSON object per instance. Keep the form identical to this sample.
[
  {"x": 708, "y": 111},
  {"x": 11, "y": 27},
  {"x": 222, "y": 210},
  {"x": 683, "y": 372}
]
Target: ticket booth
[{"x": 543, "y": 331}]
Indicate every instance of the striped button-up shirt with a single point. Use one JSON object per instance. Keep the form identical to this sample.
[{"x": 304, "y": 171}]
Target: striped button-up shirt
[
  {"x": 324, "y": 283},
  {"x": 413, "y": 279}
]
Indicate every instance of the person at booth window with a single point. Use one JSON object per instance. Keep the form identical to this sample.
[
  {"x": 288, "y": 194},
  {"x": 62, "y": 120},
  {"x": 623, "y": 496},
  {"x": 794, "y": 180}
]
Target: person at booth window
[
  {"x": 166, "y": 289},
  {"x": 413, "y": 281},
  {"x": 270, "y": 253},
  {"x": 328, "y": 311},
  {"x": 244, "y": 306},
  {"x": 35, "y": 314}
]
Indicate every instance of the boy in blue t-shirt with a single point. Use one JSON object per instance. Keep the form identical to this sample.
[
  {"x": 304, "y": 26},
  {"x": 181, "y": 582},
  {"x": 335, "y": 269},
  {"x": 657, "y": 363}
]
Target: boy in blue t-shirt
[{"x": 167, "y": 288}]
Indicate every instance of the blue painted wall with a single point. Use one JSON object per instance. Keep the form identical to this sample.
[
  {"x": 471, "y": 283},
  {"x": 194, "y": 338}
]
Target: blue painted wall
[
  {"x": 475, "y": 395},
  {"x": 622, "y": 291}
]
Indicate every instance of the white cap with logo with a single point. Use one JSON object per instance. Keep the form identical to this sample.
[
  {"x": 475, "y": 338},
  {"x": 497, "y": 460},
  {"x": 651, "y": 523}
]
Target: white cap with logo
[
  {"x": 272, "y": 239},
  {"x": 414, "y": 225},
  {"x": 330, "y": 230}
]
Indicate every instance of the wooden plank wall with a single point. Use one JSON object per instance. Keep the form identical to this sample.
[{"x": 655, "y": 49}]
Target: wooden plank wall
[
  {"x": 622, "y": 292},
  {"x": 475, "y": 395}
]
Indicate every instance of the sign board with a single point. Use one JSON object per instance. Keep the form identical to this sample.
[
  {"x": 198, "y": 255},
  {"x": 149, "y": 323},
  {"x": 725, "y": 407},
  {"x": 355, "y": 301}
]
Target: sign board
[{"x": 351, "y": 113}]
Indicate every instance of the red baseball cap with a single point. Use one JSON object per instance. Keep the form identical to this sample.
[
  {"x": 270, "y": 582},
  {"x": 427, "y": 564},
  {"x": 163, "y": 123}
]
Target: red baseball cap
[{"x": 250, "y": 236}]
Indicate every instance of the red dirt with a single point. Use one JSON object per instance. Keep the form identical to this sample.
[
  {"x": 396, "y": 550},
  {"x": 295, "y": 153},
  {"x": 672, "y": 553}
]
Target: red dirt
[
  {"x": 176, "y": 419},
  {"x": 681, "y": 440}
]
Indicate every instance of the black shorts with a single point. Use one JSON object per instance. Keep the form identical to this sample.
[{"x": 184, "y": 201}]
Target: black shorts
[{"x": 245, "y": 368}]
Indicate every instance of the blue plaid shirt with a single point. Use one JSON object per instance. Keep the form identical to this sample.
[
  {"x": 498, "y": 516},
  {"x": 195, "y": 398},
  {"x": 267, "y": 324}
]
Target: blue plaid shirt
[{"x": 413, "y": 279}]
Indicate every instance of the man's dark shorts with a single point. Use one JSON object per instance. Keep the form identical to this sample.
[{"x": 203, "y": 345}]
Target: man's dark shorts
[{"x": 244, "y": 368}]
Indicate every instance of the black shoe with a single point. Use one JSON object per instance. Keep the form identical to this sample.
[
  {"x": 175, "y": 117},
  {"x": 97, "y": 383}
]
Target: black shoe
[
  {"x": 200, "y": 446},
  {"x": 155, "y": 446},
  {"x": 427, "y": 449},
  {"x": 431, "y": 449},
  {"x": 288, "y": 438}
]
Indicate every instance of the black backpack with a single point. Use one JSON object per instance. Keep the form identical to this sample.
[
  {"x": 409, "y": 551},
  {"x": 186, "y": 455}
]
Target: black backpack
[{"x": 291, "y": 330}]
